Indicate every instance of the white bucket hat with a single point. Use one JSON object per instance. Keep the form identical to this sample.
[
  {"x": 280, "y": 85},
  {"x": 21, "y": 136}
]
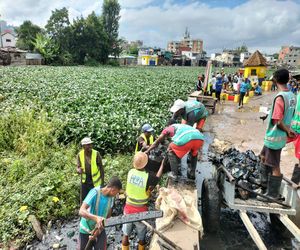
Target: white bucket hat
[
  {"x": 178, "y": 104},
  {"x": 86, "y": 141}
]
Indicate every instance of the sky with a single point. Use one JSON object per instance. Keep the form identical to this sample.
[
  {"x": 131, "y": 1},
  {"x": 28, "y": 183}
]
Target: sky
[{"x": 260, "y": 24}]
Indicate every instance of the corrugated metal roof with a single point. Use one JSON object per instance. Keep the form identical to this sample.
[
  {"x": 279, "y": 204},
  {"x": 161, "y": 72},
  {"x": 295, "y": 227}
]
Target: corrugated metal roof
[
  {"x": 13, "y": 50},
  {"x": 33, "y": 56}
]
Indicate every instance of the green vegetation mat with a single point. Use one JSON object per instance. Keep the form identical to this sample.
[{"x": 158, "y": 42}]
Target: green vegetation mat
[{"x": 46, "y": 111}]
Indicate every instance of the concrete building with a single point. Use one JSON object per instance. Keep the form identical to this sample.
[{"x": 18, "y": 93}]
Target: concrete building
[
  {"x": 214, "y": 55},
  {"x": 270, "y": 60},
  {"x": 289, "y": 56},
  {"x": 8, "y": 40},
  {"x": 147, "y": 57},
  {"x": 18, "y": 56},
  {"x": 244, "y": 56},
  {"x": 196, "y": 45},
  {"x": 227, "y": 58},
  {"x": 173, "y": 46}
]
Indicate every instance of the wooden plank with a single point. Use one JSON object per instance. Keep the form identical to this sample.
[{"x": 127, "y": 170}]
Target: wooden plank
[
  {"x": 181, "y": 234},
  {"x": 252, "y": 231},
  {"x": 290, "y": 226},
  {"x": 162, "y": 236}
]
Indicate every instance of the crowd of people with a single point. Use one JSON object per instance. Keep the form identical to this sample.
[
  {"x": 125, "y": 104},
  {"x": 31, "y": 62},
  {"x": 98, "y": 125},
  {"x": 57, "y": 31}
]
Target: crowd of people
[{"x": 236, "y": 83}]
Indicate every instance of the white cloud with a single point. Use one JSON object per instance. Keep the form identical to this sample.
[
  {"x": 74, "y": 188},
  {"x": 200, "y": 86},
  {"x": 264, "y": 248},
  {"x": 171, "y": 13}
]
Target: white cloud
[
  {"x": 134, "y": 3},
  {"x": 39, "y": 11},
  {"x": 266, "y": 24}
]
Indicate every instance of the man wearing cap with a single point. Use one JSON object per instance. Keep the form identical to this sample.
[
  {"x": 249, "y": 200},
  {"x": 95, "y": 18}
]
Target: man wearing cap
[
  {"x": 191, "y": 112},
  {"x": 145, "y": 139},
  {"x": 89, "y": 165},
  {"x": 138, "y": 191},
  {"x": 185, "y": 139}
]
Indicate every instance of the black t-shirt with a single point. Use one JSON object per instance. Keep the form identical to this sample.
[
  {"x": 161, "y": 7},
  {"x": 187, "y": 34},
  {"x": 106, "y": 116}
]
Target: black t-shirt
[{"x": 152, "y": 180}]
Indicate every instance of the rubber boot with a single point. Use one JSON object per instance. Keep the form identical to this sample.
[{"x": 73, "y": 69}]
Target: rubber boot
[
  {"x": 273, "y": 188},
  {"x": 192, "y": 168},
  {"x": 125, "y": 247},
  {"x": 296, "y": 174},
  {"x": 174, "y": 164},
  {"x": 264, "y": 173},
  {"x": 141, "y": 247}
]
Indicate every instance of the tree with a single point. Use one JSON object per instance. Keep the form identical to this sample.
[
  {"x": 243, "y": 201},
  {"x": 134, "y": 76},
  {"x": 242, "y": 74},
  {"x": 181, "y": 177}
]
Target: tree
[
  {"x": 276, "y": 55},
  {"x": 58, "y": 28},
  {"x": 98, "y": 38},
  {"x": 242, "y": 49},
  {"x": 46, "y": 47},
  {"x": 89, "y": 41},
  {"x": 133, "y": 50},
  {"x": 77, "y": 43},
  {"x": 26, "y": 34},
  {"x": 111, "y": 16}
]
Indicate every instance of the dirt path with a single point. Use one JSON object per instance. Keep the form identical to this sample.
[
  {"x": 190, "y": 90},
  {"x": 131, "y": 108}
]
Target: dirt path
[{"x": 244, "y": 130}]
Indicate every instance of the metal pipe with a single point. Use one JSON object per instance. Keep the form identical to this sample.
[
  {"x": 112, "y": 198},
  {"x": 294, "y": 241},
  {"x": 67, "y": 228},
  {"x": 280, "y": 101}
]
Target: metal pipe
[
  {"x": 264, "y": 196},
  {"x": 291, "y": 183},
  {"x": 290, "y": 225},
  {"x": 252, "y": 231},
  {"x": 230, "y": 177}
]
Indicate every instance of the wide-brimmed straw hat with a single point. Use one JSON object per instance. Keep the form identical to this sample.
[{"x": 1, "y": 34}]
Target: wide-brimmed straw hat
[{"x": 140, "y": 160}]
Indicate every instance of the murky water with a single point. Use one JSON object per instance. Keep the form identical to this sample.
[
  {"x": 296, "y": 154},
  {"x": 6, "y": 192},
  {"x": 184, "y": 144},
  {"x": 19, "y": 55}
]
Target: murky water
[{"x": 66, "y": 234}]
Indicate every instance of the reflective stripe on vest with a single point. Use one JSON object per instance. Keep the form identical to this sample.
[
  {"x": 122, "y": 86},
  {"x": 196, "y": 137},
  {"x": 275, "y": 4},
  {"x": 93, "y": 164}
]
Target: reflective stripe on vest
[
  {"x": 276, "y": 138},
  {"x": 84, "y": 228},
  {"x": 185, "y": 133},
  {"x": 96, "y": 175},
  {"x": 196, "y": 107},
  {"x": 192, "y": 105},
  {"x": 296, "y": 120},
  {"x": 150, "y": 142},
  {"x": 136, "y": 188}
]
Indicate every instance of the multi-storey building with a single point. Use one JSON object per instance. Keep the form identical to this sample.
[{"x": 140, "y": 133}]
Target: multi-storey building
[
  {"x": 289, "y": 55},
  {"x": 196, "y": 45}
]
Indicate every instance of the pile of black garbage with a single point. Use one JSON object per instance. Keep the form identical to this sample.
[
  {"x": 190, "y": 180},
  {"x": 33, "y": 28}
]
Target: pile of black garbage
[{"x": 243, "y": 166}]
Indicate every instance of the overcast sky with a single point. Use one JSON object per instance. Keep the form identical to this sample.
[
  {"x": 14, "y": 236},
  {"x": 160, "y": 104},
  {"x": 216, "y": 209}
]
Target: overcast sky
[{"x": 260, "y": 24}]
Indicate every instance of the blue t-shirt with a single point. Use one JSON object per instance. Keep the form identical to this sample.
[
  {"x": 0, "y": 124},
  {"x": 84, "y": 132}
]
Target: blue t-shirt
[
  {"x": 244, "y": 87},
  {"x": 258, "y": 89},
  {"x": 219, "y": 84},
  {"x": 104, "y": 205}
]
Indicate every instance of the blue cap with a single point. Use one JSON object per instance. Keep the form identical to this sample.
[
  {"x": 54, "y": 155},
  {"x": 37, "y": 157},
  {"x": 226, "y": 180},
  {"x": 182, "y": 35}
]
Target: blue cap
[{"x": 147, "y": 128}]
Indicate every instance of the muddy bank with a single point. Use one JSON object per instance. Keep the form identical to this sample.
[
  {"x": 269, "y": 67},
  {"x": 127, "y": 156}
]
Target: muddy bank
[{"x": 65, "y": 235}]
